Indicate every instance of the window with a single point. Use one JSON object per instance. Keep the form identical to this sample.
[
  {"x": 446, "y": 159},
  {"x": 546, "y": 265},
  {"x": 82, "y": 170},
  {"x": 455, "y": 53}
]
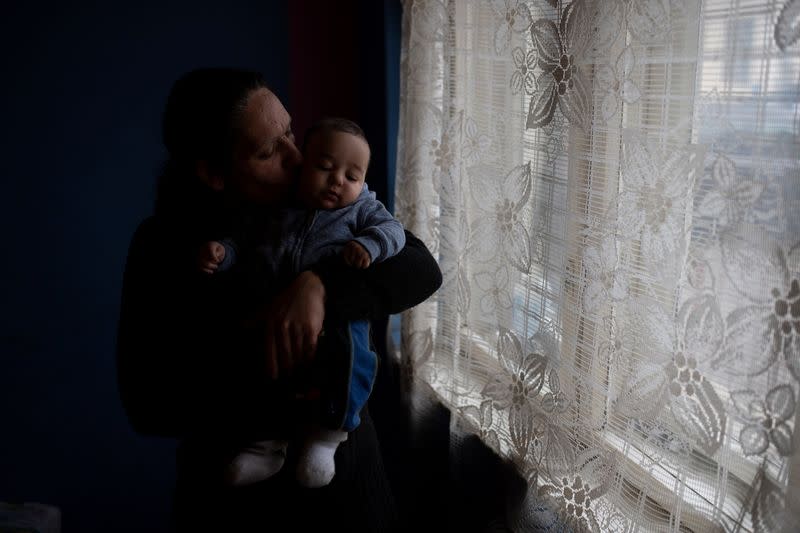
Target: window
[{"x": 608, "y": 187}]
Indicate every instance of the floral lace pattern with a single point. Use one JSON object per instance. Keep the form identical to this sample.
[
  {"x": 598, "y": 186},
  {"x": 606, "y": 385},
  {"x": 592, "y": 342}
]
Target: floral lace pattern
[{"x": 611, "y": 189}]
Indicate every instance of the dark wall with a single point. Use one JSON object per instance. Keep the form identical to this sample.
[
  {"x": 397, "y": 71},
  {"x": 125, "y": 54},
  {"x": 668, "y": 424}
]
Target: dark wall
[
  {"x": 344, "y": 61},
  {"x": 82, "y": 92}
]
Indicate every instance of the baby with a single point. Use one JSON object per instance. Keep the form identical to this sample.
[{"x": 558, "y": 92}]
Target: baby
[{"x": 335, "y": 214}]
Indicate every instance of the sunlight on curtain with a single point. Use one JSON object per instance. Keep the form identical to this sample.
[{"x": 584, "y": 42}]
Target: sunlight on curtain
[{"x": 612, "y": 189}]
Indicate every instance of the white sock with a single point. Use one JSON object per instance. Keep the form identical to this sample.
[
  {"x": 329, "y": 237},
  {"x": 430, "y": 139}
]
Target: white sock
[
  {"x": 315, "y": 465},
  {"x": 257, "y": 462}
]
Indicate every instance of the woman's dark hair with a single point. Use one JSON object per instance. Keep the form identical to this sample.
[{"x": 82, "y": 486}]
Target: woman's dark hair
[
  {"x": 333, "y": 124},
  {"x": 201, "y": 122}
]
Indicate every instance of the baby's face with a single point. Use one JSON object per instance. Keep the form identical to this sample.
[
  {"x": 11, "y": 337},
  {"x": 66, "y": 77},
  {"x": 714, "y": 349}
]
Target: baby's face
[{"x": 334, "y": 168}]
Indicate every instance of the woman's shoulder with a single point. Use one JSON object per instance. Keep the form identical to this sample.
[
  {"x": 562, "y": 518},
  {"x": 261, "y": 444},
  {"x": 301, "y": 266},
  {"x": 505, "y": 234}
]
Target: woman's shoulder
[
  {"x": 154, "y": 234},
  {"x": 148, "y": 232},
  {"x": 157, "y": 228},
  {"x": 147, "y": 226}
]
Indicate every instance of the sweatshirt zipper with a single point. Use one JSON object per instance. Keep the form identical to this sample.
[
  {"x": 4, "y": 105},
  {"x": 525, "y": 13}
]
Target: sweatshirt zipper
[{"x": 298, "y": 252}]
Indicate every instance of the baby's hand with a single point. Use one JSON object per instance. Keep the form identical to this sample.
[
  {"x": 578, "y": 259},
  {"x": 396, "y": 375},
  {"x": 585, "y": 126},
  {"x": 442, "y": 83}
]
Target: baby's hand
[
  {"x": 356, "y": 255},
  {"x": 211, "y": 255}
]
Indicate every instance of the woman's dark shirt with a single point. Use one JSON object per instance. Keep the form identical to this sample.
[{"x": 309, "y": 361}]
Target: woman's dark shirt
[{"x": 186, "y": 365}]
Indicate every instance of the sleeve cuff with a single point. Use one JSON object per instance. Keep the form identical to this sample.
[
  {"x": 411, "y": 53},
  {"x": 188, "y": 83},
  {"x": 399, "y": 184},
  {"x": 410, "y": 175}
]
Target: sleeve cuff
[{"x": 372, "y": 247}]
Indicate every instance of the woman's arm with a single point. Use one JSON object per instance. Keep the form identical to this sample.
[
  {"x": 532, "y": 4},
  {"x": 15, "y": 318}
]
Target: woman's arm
[
  {"x": 294, "y": 320},
  {"x": 389, "y": 287}
]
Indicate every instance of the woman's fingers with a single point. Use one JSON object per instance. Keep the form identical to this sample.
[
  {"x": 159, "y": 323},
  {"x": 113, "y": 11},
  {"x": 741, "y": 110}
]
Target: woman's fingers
[
  {"x": 272, "y": 351},
  {"x": 298, "y": 341},
  {"x": 310, "y": 346},
  {"x": 285, "y": 347},
  {"x": 293, "y": 324},
  {"x": 306, "y": 354}
]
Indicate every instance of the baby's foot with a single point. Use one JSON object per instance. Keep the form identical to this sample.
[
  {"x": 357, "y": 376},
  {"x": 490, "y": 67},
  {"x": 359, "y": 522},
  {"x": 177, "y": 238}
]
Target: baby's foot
[
  {"x": 315, "y": 465},
  {"x": 257, "y": 462}
]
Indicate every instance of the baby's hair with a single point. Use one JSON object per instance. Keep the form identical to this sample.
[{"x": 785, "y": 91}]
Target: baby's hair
[{"x": 334, "y": 124}]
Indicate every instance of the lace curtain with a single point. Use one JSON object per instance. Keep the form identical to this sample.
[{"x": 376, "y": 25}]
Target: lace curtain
[{"x": 612, "y": 189}]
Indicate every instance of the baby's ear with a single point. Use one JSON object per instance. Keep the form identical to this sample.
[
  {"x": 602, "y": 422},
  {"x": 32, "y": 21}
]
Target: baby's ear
[{"x": 212, "y": 179}]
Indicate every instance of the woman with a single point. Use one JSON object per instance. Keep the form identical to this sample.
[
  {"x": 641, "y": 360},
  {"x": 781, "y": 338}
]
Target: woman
[{"x": 196, "y": 365}]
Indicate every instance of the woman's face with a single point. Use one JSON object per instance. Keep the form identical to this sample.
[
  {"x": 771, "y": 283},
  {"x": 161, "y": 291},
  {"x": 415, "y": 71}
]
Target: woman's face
[{"x": 265, "y": 157}]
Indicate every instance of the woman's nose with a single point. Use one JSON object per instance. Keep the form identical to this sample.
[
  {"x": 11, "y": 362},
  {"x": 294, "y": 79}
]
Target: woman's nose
[{"x": 291, "y": 155}]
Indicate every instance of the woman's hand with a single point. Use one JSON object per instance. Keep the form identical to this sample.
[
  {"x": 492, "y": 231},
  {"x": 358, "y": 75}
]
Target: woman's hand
[{"x": 294, "y": 323}]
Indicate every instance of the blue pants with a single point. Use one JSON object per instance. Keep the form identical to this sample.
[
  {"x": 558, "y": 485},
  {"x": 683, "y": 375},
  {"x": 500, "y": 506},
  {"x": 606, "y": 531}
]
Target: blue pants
[{"x": 346, "y": 373}]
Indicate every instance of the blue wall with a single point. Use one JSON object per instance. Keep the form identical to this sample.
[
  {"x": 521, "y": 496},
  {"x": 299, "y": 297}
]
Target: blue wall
[{"x": 82, "y": 93}]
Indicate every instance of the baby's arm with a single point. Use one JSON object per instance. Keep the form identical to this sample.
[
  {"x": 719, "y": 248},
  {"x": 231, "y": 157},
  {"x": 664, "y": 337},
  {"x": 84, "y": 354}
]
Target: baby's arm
[
  {"x": 379, "y": 237},
  {"x": 217, "y": 256}
]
